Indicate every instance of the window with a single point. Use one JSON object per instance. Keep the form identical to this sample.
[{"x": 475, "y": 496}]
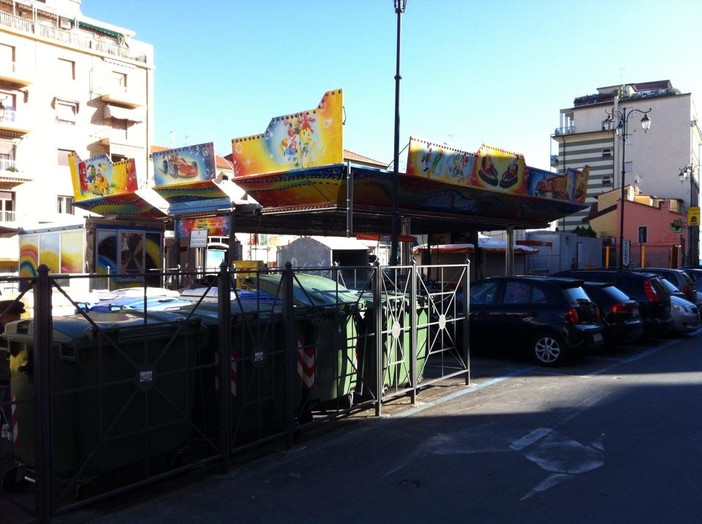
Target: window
[
  {"x": 66, "y": 70},
  {"x": 606, "y": 153},
  {"x": 63, "y": 155},
  {"x": 8, "y": 101},
  {"x": 643, "y": 234},
  {"x": 629, "y": 167},
  {"x": 119, "y": 80},
  {"x": 66, "y": 111},
  {"x": 517, "y": 293},
  {"x": 484, "y": 293},
  {"x": 64, "y": 204},
  {"x": 606, "y": 180},
  {"x": 7, "y": 156},
  {"x": 7, "y": 56},
  {"x": 7, "y": 206}
]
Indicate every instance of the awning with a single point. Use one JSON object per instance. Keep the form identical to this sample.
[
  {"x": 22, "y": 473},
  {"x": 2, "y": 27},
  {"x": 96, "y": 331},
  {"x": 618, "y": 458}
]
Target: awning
[
  {"x": 103, "y": 30},
  {"x": 8, "y": 230},
  {"x": 120, "y": 113},
  {"x": 10, "y": 181}
]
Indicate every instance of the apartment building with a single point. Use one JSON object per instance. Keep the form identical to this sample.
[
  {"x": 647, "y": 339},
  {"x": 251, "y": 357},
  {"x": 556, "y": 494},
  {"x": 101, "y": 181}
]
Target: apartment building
[
  {"x": 67, "y": 83},
  {"x": 652, "y": 160}
]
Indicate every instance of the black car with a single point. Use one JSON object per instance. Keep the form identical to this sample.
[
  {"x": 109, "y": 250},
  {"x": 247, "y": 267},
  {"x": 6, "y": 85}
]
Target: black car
[
  {"x": 548, "y": 316},
  {"x": 679, "y": 278},
  {"x": 646, "y": 289},
  {"x": 620, "y": 313}
]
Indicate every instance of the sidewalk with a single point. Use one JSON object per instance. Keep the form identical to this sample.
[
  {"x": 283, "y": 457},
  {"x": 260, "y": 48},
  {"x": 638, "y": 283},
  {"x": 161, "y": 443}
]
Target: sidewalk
[{"x": 330, "y": 463}]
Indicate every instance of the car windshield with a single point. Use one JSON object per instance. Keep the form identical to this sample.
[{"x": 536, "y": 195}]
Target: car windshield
[
  {"x": 576, "y": 294},
  {"x": 672, "y": 289}
]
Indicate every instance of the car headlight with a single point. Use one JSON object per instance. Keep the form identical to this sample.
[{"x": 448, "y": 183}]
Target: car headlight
[{"x": 678, "y": 307}]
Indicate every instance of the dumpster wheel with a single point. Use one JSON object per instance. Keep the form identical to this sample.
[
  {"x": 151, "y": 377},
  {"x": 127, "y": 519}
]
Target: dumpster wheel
[{"x": 15, "y": 480}]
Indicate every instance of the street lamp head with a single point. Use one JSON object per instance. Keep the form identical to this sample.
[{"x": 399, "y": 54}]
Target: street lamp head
[
  {"x": 609, "y": 124},
  {"x": 646, "y": 123},
  {"x": 400, "y": 6}
]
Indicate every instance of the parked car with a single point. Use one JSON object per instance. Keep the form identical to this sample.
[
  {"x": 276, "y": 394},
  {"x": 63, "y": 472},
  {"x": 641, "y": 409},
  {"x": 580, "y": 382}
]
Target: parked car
[
  {"x": 695, "y": 273},
  {"x": 620, "y": 313},
  {"x": 646, "y": 289},
  {"x": 686, "y": 315},
  {"x": 678, "y": 277},
  {"x": 550, "y": 317}
]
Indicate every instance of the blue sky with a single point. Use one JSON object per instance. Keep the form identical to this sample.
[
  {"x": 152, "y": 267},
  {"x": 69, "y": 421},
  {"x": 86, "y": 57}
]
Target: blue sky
[{"x": 494, "y": 72}]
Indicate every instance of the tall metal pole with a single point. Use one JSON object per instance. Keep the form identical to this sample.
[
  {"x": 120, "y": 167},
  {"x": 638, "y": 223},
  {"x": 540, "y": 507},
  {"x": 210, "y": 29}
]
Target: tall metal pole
[
  {"x": 623, "y": 190},
  {"x": 693, "y": 236},
  {"x": 623, "y": 123},
  {"x": 400, "y": 6}
]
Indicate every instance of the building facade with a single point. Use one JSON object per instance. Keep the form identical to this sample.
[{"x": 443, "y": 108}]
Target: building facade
[
  {"x": 67, "y": 83},
  {"x": 651, "y": 161}
]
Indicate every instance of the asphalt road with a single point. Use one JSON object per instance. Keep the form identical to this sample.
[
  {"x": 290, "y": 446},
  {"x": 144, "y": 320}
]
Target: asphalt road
[{"x": 614, "y": 437}]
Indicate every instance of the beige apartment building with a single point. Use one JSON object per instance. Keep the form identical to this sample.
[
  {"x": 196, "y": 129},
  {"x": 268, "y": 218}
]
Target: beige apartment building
[
  {"x": 67, "y": 83},
  {"x": 652, "y": 161}
]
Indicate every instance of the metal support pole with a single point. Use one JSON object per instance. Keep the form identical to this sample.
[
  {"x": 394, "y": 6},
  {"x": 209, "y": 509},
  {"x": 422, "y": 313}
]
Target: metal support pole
[
  {"x": 414, "y": 275},
  {"x": 394, "y": 253},
  {"x": 42, "y": 358},
  {"x": 623, "y": 189},
  {"x": 378, "y": 329},
  {"x": 224, "y": 333},
  {"x": 290, "y": 347}
]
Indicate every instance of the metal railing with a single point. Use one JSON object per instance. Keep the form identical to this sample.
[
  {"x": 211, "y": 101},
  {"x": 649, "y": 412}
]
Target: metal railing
[
  {"x": 136, "y": 386},
  {"x": 75, "y": 37}
]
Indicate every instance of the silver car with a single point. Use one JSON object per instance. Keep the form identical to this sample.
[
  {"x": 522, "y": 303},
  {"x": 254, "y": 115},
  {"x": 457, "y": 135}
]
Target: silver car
[{"x": 685, "y": 315}]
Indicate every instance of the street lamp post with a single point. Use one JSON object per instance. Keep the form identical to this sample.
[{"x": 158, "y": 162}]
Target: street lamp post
[
  {"x": 618, "y": 120},
  {"x": 689, "y": 172},
  {"x": 400, "y": 6}
]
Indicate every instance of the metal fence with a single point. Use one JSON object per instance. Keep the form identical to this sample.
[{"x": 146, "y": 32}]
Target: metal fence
[{"x": 124, "y": 390}]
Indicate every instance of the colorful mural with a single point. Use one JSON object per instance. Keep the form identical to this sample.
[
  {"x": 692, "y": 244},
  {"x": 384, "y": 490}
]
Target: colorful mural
[
  {"x": 29, "y": 255},
  {"x": 307, "y": 139},
  {"x": 109, "y": 189},
  {"x": 494, "y": 170},
  {"x": 99, "y": 177},
  {"x": 217, "y": 226},
  {"x": 128, "y": 204},
  {"x": 184, "y": 165},
  {"x": 60, "y": 251}
]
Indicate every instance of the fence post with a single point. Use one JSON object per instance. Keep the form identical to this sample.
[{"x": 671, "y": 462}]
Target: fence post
[
  {"x": 379, "y": 338},
  {"x": 224, "y": 331},
  {"x": 413, "y": 331},
  {"x": 41, "y": 357},
  {"x": 466, "y": 321},
  {"x": 290, "y": 347}
]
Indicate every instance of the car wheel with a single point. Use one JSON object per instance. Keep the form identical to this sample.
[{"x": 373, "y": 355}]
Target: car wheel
[{"x": 548, "y": 349}]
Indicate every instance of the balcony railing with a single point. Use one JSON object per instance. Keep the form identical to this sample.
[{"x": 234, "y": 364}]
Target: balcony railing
[
  {"x": 9, "y": 116},
  {"x": 74, "y": 37},
  {"x": 567, "y": 130},
  {"x": 7, "y": 164},
  {"x": 7, "y": 216}
]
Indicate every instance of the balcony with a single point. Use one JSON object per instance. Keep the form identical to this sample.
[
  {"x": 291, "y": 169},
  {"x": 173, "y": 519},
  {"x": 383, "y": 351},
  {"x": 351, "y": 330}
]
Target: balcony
[
  {"x": 74, "y": 37},
  {"x": 567, "y": 130},
  {"x": 10, "y": 176},
  {"x": 11, "y": 126},
  {"x": 7, "y": 216},
  {"x": 13, "y": 75},
  {"x": 121, "y": 97}
]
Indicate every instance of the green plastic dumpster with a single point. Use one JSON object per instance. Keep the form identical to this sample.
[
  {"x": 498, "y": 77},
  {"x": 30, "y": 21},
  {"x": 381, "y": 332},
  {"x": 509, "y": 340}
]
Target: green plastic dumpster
[
  {"x": 257, "y": 380},
  {"x": 327, "y": 364},
  {"x": 121, "y": 389},
  {"x": 395, "y": 330}
]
